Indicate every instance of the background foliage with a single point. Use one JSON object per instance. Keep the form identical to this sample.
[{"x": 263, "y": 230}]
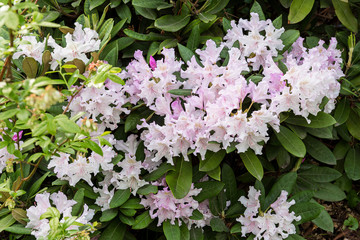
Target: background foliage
[{"x": 329, "y": 144}]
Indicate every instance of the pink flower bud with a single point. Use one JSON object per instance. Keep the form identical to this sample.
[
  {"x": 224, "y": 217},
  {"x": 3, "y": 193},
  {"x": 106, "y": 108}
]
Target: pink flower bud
[{"x": 152, "y": 63}]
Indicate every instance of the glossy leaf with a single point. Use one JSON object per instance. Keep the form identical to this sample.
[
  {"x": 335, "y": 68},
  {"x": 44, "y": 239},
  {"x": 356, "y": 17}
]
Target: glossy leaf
[
  {"x": 321, "y": 174},
  {"x": 209, "y": 189},
  {"x": 252, "y": 164},
  {"x": 171, "y": 231},
  {"x": 291, "y": 142},
  {"x": 180, "y": 180},
  {"x": 353, "y": 124},
  {"x": 212, "y": 160},
  {"x": 172, "y": 23},
  {"x": 352, "y": 164},
  {"x": 307, "y": 210},
  {"x": 116, "y": 230},
  {"x": 346, "y": 17},
  {"x": 120, "y": 197},
  {"x": 299, "y": 9},
  {"x": 319, "y": 151}
]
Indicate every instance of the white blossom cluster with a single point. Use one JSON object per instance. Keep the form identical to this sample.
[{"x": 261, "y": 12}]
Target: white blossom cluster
[
  {"x": 275, "y": 224},
  {"x": 78, "y": 44},
  {"x": 41, "y": 227}
]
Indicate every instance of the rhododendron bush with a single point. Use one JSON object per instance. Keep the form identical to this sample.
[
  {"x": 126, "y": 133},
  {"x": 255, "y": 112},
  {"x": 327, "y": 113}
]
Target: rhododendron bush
[{"x": 227, "y": 139}]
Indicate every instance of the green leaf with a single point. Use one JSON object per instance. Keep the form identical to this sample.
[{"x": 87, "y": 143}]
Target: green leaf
[
  {"x": 30, "y": 67},
  {"x": 197, "y": 215},
  {"x": 320, "y": 174},
  {"x": 291, "y": 142},
  {"x": 194, "y": 39},
  {"x": 94, "y": 147},
  {"x": 286, "y": 182},
  {"x": 79, "y": 198},
  {"x": 196, "y": 234},
  {"x": 228, "y": 177},
  {"x": 142, "y": 221},
  {"x": 120, "y": 197},
  {"x": 236, "y": 228},
  {"x": 185, "y": 53},
  {"x": 108, "y": 215},
  {"x": 215, "y": 173},
  {"x": 288, "y": 38},
  {"x": 352, "y": 223},
  {"x": 153, "y": 4},
  {"x": 123, "y": 11},
  {"x": 303, "y": 196},
  {"x": 256, "y": 8},
  {"x": 146, "y": 12},
  {"x": 346, "y": 17},
  {"x": 9, "y": 114},
  {"x": 326, "y": 132},
  {"x": 278, "y": 22},
  {"x": 132, "y": 203},
  {"x": 324, "y": 221},
  {"x": 18, "y": 229},
  {"x": 172, "y": 232},
  {"x": 299, "y": 9},
  {"x": 294, "y": 236},
  {"x": 145, "y": 37},
  {"x": 36, "y": 185},
  {"x": 168, "y": 43},
  {"x": 212, "y": 160},
  {"x": 340, "y": 150},
  {"x": 10, "y": 19},
  {"x": 184, "y": 232},
  {"x": 126, "y": 219},
  {"x": 206, "y": 17},
  {"x": 307, "y": 210},
  {"x": 342, "y": 111},
  {"x": 352, "y": 164},
  {"x": 95, "y": 3},
  {"x": 147, "y": 189},
  {"x": 329, "y": 192},
  {"x": 321, "y": 120},
  {"x": 319, "y": 151},
  {"x": 116, "y": 79},
  {"x": 67, "y": 125},
  {"x": 218, "y": 225},
  {"x": 172, "y": 23},
  {"x": 216, "y": 6},
  {"x": 180, "y": 92},
  {"x": 116, "y": 230},
  {"x": 132, "y": 121},
  {"x": 252, "y": 164},
  {"x": 156, "y": 174},
  {"x": 352, "y": 124},
  {"x": 180, "y": 180},
  {"x": 209, "y": 189}
]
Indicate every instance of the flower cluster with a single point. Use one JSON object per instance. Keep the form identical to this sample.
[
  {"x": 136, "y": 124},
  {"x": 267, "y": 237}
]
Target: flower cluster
[
  {"x": 41, "y": 227},
  {"x": 165, "y": 206},
  {"x": 225, "y": 107},
  {"x": 104, "y": 103},
  {"x": 78, "y": 44},
  {"x": 82, "y": 167},
  {"x": 275, "y": 224}
]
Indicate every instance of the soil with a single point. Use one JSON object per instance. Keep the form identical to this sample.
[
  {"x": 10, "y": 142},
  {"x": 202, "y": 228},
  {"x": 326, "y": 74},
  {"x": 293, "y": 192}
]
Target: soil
[{"x": 339, "y": 212}]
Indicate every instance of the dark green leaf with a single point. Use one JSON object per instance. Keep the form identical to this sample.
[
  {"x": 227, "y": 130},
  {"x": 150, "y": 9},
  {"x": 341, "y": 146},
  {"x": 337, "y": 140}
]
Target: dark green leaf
[
  {"x": 172, "y": 232},
  {"x": 291, "y": 142},
  {"x": 319, "y": 151},
  {"x": 342, "y": 111},
  {"x": 218, "y": 225},
  {"x": 329, "y": 192},
  {"x": 346, "y": 17},
  {"x": 307, "y": 210},
  {"x": 252, "y": 164},
  {"x": 320, "y": 174},
  {"x": 185, "y": 53},
  {"x": 324, "y": 221},
  {"x": 352, "y": 124},
  {"x": 212, "y": 160},
  {"x": 352, "y": 164},
  {"x": 299, "y": 9},
  {"x": 209, "y": 189},
  {"x": 108, "y": 215},
  {"x": 286, "y": 182},
  {"x": 116, "y": 230},
  {"x": 180, "y": 180},
  {"x": 142, "y": 221},
  {"x": 256, "y": 8},
  {"x": 171, "y": 23},
  {"x": 120, "y": 197}
]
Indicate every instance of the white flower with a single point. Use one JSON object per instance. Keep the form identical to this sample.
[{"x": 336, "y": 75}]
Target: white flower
[{"x": 30, "y": 48}]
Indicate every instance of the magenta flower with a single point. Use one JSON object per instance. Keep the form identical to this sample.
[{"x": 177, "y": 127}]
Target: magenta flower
[{"x": 17, "y": 136}]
